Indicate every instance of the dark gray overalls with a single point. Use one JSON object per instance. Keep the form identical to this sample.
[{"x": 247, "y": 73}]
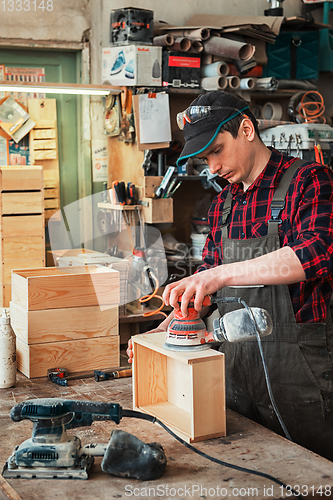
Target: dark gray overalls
[{"x": 298, "y": 356}]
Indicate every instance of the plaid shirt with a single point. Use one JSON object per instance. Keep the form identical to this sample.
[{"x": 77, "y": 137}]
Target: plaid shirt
[{"x": 307, "y": 227}]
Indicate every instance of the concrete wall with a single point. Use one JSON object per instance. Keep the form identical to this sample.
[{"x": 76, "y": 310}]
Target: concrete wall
[{"x": 64, "y": 21}]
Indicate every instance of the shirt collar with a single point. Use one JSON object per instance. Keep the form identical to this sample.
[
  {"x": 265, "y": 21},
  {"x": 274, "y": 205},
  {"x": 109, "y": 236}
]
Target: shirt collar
[{"x": 268, "y": 177}]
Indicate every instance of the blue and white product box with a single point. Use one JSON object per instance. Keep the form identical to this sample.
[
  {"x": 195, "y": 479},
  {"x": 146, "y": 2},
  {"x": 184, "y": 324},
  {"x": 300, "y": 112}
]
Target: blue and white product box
[{"x": 132, "y": 65}]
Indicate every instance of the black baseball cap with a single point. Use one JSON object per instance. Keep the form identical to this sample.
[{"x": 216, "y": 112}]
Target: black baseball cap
[{"x": 201, "y": 134}]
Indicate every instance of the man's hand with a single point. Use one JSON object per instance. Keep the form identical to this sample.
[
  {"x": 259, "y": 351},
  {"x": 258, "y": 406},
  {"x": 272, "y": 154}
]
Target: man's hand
[
  {"x": 162, "y": 327},
  {"x": 198, "y": 285}
]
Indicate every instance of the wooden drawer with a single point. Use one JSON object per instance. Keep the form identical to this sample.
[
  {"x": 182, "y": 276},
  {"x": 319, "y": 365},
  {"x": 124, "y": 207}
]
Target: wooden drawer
[
  {"x": 55, "y": 288},
  {"x": 77, "y": 355},
  {"x": 17, "y": 178},
  {"x": 17, "y": 248},
  {"x": 185, "y": 390},
  {"x": 21, "y": 225},
  {"x": 55, "y": 325},
  {"x": 23, "y": 202}
]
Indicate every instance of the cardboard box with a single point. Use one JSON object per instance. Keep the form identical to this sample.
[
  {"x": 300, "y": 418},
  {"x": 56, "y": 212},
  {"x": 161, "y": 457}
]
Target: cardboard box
[
  {"x": 131, "y": 25},
  {"x": 185, "y": 390},
  {"x": 132, "y": 65},
  {"x": 181, "y": 70}
]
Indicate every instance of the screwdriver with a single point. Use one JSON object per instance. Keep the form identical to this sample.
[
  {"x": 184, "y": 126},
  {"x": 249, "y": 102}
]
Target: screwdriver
[{"x": 99, "y": 375}]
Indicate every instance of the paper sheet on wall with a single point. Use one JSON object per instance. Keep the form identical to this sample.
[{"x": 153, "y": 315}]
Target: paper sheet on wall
[
  {"x": 154, "y": 118},
  {"x": 99, "y": 160}
]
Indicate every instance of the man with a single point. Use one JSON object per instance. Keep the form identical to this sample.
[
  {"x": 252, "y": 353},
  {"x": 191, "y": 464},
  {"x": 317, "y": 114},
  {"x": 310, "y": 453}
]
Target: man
[{"x": 274, "y": 253}]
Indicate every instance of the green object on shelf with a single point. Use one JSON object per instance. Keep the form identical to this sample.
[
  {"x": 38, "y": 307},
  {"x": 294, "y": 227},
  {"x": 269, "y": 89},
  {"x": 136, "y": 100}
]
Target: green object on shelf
[{"x": 326, "y": 41}]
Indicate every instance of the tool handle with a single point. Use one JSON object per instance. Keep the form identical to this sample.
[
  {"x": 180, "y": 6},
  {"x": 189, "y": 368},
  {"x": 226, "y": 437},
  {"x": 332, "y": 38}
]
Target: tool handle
[{"x": 123, "y": 373}]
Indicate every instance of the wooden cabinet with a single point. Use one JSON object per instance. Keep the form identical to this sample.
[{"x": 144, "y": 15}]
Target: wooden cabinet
[{"x": 21, "y": 223}]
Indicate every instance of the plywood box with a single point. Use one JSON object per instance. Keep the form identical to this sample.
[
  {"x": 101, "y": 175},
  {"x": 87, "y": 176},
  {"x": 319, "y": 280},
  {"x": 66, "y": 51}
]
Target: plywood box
[
  {"x": 57, "y": 325},
  {"x": 56, "y": 288},
  {"x": 185, "y": 390},
  {"x": 158, "y": 210},
  {"x": 77, "y": 355}
]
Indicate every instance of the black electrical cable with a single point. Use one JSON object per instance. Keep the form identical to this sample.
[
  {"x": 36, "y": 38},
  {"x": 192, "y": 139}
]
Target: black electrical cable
[
  {"x": 269, "y": 388},
  {"x": 150, "y": 418}
]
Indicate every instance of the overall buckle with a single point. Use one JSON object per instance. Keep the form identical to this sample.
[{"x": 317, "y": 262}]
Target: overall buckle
[{"x": 276, "y": 209}]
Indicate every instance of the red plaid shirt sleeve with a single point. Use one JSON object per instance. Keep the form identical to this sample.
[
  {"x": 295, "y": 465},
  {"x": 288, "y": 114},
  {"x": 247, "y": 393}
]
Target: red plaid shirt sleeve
[{"x": 307, "y": 227}]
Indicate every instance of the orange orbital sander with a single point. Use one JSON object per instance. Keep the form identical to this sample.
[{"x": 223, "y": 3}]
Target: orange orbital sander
[{"x": 188, "y": 332}]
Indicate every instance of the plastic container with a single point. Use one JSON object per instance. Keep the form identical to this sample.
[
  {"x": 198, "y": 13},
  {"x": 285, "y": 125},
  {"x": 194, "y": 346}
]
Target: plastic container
[
  {"x": 198, "y": 243},
  {"x": 7, "y": 352}
]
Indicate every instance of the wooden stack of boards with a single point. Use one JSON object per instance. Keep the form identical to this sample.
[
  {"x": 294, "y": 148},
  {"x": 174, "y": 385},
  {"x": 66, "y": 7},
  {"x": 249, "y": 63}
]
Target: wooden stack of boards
[
  {"x": 21, "y": 222},
  {"x": 65, "y": 317},
  {"x": 44, "y": 150}
]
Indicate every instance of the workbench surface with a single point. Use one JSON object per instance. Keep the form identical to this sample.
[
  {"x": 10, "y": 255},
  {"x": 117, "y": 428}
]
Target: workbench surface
[{"x": 187, "y": 475}]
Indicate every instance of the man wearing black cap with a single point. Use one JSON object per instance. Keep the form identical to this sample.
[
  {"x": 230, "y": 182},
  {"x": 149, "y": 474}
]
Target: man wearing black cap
[{"x": 270, "y": 243}]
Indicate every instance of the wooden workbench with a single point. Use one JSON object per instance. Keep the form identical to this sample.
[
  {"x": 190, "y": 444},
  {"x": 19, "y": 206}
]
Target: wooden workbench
[{"x": 187, "y": 475}]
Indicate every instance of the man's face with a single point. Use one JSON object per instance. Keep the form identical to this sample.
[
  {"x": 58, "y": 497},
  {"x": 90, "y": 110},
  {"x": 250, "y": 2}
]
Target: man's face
[{"x": 230, "y": 158}]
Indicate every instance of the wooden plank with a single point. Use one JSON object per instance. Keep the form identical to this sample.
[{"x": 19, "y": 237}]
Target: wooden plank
[
  {"x": 44, "y": 144},
  {"x": 24, "y": 225},
  {"x": 43, "y": 133},
  {"x": 18, "y": 248},
  {"x": 92, "y": 354},
  {"x": 7, "y": 490},
  {"x": 51, "y": 192},
  {"x": 51, "y": 203},
  {"x": 25, "y": 202},
  {"x": 214, "y": 399},
  {"x": 5, "y": 295},
  {"x": 45, "y": 155},
  {"x": 55, "y": 325},
  {"x": 55, "y": 288},
  {"x": 21, "y": 178},
  {"x": 44, "y": 124}
]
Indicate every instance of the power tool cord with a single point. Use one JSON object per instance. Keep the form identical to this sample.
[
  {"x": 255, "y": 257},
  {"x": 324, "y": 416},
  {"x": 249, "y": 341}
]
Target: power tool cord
[{"x": 150, "y": 418}]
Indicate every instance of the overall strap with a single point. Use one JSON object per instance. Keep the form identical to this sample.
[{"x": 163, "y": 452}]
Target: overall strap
[
  {"x": 279, "y": 197},
  {"x": 225, "y": 215}
]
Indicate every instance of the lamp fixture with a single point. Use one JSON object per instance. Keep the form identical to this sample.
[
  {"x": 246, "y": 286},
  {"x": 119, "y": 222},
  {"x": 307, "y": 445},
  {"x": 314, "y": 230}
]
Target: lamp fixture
[{"x": 61, "y": 88}]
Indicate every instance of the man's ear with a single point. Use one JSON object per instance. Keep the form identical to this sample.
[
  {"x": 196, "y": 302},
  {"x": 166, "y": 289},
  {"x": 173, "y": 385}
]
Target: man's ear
[{"x": 247, "y": 128}]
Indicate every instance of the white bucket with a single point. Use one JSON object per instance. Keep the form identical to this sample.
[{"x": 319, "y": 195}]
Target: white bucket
[{"x": 198, "y": 243}]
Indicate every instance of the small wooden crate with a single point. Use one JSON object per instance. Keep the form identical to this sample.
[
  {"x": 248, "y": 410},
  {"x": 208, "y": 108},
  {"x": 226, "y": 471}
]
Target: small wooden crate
[
  {"x": 185, "y": 390},
  {"x": 76, "y": 356},
  {"x": 59, "y": 287}
]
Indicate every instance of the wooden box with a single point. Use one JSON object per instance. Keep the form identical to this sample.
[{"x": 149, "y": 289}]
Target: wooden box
[
  {"x": 158, "y": 211},
  {"x": 60, "y": 287},
  {"x": 68, "y": 323},
  {"x": 65, "y": 317},
  {"x": 75, "y": 355},
  {"x": 185, "y": 390}
]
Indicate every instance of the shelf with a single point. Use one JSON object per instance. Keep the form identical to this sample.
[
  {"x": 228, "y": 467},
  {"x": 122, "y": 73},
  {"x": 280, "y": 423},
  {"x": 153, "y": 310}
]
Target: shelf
[{"x": 110, "y": 206}]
